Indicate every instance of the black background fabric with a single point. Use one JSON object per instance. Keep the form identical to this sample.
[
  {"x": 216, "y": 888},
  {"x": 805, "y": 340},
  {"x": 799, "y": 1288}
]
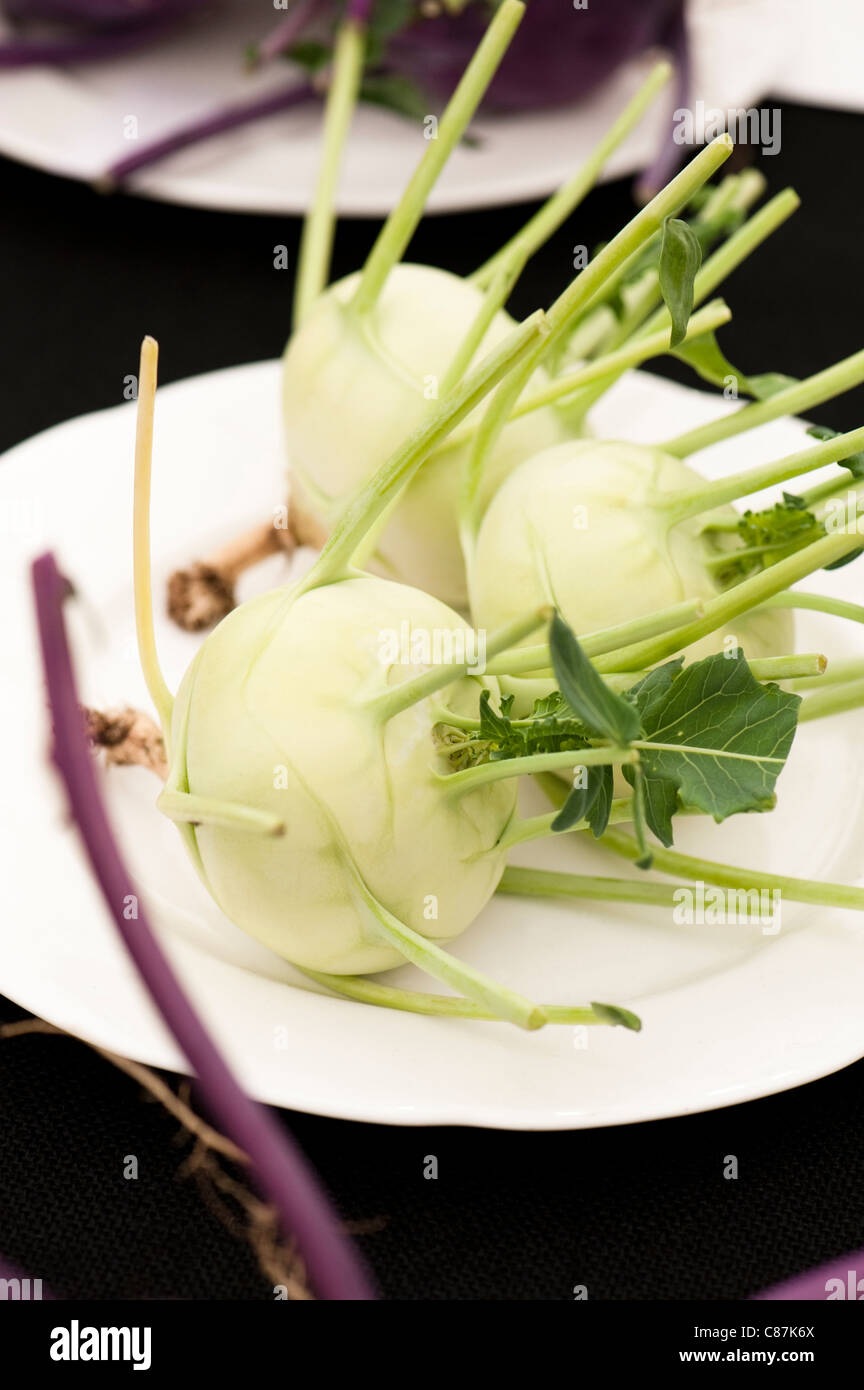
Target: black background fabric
[{"x": 636, "y": 1212}]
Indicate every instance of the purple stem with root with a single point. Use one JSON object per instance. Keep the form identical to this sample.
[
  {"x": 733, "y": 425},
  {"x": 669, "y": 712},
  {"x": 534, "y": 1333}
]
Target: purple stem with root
[{"x": 281, "y": 1172}]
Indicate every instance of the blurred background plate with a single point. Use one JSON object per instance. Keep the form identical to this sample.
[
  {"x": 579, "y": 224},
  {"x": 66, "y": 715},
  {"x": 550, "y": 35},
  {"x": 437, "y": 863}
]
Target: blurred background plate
[{"x": 71, "y": 121}]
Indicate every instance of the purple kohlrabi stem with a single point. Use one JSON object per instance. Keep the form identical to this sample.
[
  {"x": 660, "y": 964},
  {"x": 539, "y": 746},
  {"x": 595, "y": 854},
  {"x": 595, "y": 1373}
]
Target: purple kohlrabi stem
[
  {"x": 226, "y": 118},
  {"x": 811, "y": 1287},
  {"x": 280, "y": 1171}
]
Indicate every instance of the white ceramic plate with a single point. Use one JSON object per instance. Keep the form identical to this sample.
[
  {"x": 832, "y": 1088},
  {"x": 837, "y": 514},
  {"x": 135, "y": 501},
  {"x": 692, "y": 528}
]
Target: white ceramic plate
[
  {"x": 75, "y": 121},
  {"x": 728, "y": 1013}
]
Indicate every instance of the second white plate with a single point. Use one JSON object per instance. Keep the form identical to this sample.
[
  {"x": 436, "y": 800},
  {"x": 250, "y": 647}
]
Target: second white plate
[{"x": 80, "y": 119}]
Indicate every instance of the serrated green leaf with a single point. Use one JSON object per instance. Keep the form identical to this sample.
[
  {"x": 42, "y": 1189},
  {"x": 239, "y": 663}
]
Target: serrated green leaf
[
  {"x": 555, "y": 728},
  {"x": 717, "y": 705},
  {"x": 778, "y": 525},
  {"x": 652, "y": 689},
  {"x": 495, "y": 726},
  {"x": 549, "y": 705}
]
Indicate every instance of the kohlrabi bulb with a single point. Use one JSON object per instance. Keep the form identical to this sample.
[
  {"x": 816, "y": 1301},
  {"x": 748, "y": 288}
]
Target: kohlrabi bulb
[
  {"x": 355, "y": 387},
  {"x": 275, "y": 714},
  {"x": 574, "y": 527}
]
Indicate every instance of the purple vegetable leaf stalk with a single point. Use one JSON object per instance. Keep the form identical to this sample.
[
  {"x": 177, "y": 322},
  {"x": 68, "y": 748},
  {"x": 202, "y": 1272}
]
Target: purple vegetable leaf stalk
[{"x": 279, "y": 1169}]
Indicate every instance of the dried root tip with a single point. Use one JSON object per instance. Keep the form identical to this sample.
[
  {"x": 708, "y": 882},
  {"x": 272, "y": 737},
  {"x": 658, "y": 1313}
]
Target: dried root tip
[
  {"x": 203, "y": 593},
  {"x": 129, "y": 738},
  {"x": 199, "y": 597}
]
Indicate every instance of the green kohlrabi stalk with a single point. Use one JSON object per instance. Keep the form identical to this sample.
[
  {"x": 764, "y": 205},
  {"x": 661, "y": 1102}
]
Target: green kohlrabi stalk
[
  {"x": 541, "y": 882},
  {"x": 713, "y": 271},
  {"x": 561, "y": 317},
  {"x": 317, "y": 238}
]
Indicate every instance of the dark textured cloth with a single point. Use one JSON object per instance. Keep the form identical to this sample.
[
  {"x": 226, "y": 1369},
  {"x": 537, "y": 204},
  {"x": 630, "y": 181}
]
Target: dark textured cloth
[{"x": 640, "y": 1212}]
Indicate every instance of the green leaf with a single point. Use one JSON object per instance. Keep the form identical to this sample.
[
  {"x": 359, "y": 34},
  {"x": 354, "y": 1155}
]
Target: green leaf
[
  {"x": 770, "y": 534},
  {"x": 706, "y": 357},
  {"x": 707, "y": 231},
  {"x": 653, "y": 689},
  {"x": 709, "y": 361},
  {"x": 598, "y": 813},
  {"x": 311, "y": 55},
  {"x": 603, "y": 713},
  {"x": 582, "y": 800},
  {"x": 781, "y": 524},
  {"x": 552, "y": 728},
  {"x": 612, "y": 1013},
  {"x": 661, "y": 801},
  {"x": 714, "y": 704},
  {"x": 845, "y": 559},
  {"x": 549, "y": 705},
  {"x": 396, "y": 92},
  {"x": 495, "y": 726},
  {"x": 855, "y": 462},
  {"x": 680, "y": 258},
  {"x": 658, "y": 795}
]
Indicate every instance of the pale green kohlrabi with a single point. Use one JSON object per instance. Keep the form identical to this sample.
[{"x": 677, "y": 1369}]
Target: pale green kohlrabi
[
  {"x": 355, "y": 385},
  {"x": 608, "y": 531},
  {"x": 304, "y": 770},
  {"x": 294, "y": 682},
  {"x": 583, "y": 526}
]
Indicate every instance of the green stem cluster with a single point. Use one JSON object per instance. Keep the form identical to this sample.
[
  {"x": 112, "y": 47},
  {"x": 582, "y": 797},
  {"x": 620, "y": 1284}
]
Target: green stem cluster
[
  {"x": 400, "y": 226},
  {"x": 562, "y": 314},
  {"x": 316, "y": 241}
]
